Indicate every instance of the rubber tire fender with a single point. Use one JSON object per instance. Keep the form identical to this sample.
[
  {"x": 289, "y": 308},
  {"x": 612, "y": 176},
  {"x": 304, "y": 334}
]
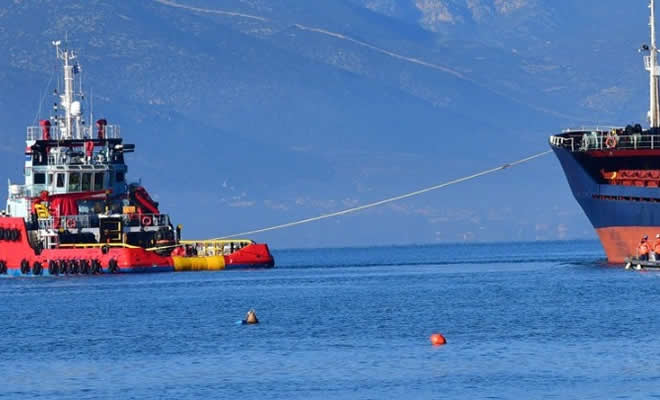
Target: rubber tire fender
[
  {"x": 65, "y": 268},
  {"x": 75, "y": 266},
  {"x": 53, "y": 268},
  {"x": 15, "y": 235},
  {"x": 25, "y": 267},
  {"x": 99, "y": 267},
  {"x": 113, "y": 267},
  {"x": 96, "y": 267},
  {"x": 3, "y": 268},
  {"x": 37, "y": 268},
  {"x": 84, "y": 267}
]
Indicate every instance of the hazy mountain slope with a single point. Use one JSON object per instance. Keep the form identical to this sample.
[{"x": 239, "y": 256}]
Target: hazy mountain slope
[{"x": 255, "y": 112}]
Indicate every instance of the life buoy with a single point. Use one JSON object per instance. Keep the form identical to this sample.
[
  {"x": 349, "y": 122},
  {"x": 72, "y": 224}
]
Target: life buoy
[
  {"x": 610, "y": 142},
  {"x": 53, "y": 268},
  {"x": 25, "y": 267},
  {"x": 146, "y": 220},
  {"x": 71, "y": 223},
  {"x": 37, "y": 268}
]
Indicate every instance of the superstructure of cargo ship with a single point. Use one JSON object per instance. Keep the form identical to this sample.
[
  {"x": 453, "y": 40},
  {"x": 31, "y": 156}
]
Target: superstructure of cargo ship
[
  {"x": 76, "y": 212},
  {"x": 614, "y": 172}
]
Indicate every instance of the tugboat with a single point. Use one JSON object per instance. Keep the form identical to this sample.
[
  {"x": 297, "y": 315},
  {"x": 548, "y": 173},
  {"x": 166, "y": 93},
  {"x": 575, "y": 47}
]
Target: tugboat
[{"x": 76, "y": 213}]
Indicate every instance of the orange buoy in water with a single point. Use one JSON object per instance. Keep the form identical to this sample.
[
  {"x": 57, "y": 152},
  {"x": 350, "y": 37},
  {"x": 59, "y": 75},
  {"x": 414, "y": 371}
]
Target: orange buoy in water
[{"x": 438, "y": 340}]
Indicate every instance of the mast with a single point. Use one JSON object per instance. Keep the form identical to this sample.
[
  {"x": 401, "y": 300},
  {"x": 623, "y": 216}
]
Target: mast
[
  {"x": 651, "y": 63},
  {"x": 72, "y": 108}
]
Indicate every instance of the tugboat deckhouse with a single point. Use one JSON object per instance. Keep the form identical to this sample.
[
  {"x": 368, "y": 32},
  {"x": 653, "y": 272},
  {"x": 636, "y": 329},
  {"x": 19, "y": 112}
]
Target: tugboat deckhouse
[{"x": 77, "y": 213}]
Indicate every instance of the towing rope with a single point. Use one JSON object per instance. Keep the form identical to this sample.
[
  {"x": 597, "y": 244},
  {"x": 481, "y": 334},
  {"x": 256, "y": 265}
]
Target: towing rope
[{"x": 390, "y": 200}]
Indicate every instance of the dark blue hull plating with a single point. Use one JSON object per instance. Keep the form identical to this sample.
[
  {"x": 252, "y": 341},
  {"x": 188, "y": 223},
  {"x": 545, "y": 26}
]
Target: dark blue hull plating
[{"x": 609, "y": 205}]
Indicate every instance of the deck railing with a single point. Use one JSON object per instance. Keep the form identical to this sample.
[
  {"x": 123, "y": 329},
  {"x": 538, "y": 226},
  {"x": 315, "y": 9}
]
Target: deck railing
[
  {"x": 68, "y": 222},
  {"x": 146, "y": 220},
  {"x": 209, "y": 248},
  {"x": 71, "y": 222},
  {"x": 36, "y": 133},
  {"x": 588, "y": 141}
]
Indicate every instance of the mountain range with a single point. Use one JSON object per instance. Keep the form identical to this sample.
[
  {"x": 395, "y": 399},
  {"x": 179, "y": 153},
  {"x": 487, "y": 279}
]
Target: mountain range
[{"x": 251, "y": 113}]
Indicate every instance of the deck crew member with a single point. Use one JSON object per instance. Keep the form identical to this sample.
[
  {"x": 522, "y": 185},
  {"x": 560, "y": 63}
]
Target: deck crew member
[
  {"x": 643, "y": 249},
  {"x": 655, "y": 253}
]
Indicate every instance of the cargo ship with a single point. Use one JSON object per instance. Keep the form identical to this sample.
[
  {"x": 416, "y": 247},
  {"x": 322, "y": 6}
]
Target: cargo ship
[
  {"x": 614, "y": 172},
  {"x": 76, "y": 212}
]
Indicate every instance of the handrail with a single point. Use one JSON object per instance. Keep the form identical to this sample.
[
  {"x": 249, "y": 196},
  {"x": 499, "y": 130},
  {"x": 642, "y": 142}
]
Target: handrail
[
  {"x": 210, "y": 248},
  {"x": 220, "y": 241},
  {"x": 98, "y": 245},
  {"x": 594, "y": 140},
  {"x": 91, "y": 221},
  {"x": 146, "y": 220},
  {"x": 597, "y": 128},
  {"x": 55, "y": 133},
  {"x": 65, "y": 222}
]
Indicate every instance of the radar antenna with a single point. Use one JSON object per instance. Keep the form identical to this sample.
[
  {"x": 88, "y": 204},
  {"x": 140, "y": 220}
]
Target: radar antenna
[{"x": 72, "y": 111}]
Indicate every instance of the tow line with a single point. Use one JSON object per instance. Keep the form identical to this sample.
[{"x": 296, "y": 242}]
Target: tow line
[{"x": 390, "y": 200}]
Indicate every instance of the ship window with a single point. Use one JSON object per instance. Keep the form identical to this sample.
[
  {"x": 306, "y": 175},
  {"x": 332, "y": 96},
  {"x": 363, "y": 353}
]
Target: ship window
[
  {"x": 74, "y": 182},
  {"x": 39, "y": 179},
  {"x": 98, "y": 180},
  {"x": 120, "y": 176},
  {"x": 50, "y": 179},
  {"x": 28, "y": 171},
  {"x": 60, "y": 180},
  {"x": 86, "y": 182}
]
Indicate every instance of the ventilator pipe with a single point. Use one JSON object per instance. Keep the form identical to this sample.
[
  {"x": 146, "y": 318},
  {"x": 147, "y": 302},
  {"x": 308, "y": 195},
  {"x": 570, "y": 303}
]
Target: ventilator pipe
[
  {"x": 100, "y": 125},
  {"x": 45, "y": 129}
]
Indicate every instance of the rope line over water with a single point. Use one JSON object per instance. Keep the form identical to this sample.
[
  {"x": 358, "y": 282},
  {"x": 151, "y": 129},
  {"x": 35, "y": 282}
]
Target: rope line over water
[{"x": 391, "y": 199}]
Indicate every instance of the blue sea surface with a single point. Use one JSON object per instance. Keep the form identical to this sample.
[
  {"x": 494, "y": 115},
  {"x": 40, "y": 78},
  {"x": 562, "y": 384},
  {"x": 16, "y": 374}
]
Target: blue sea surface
[{"x": 544, "y": 320}]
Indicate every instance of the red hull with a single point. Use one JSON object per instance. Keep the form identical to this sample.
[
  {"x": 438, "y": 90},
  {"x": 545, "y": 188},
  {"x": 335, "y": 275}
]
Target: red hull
[
  {"x": 15, "y": 252},
  {"x": 621, "y": 242}
]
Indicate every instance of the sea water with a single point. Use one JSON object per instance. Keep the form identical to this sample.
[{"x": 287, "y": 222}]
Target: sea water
[{"x": 522, "y": 321}]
